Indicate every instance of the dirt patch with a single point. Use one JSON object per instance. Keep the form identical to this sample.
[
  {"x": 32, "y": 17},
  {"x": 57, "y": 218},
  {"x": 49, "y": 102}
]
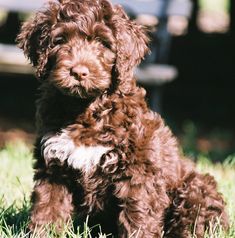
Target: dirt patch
[{"x": 13, "y": 130}]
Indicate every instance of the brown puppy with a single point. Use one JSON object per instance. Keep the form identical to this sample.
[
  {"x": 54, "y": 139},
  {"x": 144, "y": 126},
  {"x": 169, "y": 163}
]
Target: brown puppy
[{"x": 100, "y": 150}]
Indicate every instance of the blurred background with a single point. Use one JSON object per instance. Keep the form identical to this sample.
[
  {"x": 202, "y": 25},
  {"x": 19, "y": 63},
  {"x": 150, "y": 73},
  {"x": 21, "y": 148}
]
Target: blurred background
[{"x": 189, "y": 76}]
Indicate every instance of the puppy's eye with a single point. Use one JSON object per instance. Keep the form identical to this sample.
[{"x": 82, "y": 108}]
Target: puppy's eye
[
  {"x": 106, "y": 44},
  {"x": 58, "y": 40}
]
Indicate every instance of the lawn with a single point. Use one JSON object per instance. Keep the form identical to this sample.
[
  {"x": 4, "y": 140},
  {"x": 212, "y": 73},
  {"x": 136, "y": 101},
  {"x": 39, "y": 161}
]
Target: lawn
[
  {"x": 215, "y": 5},
  {"x": 16, "y": 179}
]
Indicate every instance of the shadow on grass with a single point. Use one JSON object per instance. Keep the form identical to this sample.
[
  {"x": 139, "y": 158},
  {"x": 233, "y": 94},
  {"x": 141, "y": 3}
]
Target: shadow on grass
[
  {"x": 14, "y": 220},
  {"x": 14, "y": 223}
]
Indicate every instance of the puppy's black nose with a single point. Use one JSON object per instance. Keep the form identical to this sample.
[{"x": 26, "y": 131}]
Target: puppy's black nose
[{"x": 80, "y": 72}]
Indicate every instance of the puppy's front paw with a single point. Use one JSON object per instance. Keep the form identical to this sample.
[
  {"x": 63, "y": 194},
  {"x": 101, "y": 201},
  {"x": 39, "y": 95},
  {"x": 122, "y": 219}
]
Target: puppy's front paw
[{"x": 56, "y": 148}]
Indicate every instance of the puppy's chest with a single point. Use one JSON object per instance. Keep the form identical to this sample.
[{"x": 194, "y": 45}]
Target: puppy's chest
[
  {"x": 93, "y": 152},
  {"x": 56, "y": 111},
  {"x": 88, "y": 158},
  {"x": 101, "y": 146}
]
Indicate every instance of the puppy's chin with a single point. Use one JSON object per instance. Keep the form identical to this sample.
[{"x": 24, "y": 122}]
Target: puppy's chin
[
  {"x": 77, "y": 91},
  {"x": 80, "y": 92}
]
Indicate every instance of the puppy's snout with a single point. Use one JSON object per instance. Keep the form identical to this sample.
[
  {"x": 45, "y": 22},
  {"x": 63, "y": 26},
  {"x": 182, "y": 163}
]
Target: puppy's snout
[{"x": 80, "y": 72}]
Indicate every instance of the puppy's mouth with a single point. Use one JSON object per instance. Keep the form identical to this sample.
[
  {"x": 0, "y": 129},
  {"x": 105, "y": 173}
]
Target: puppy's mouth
[
  {"x": 69, "y": 85},
  {"x": 75, "y": 91},
  {"x": 82, "y": 80},
  {"x": 79, "y": 91}
]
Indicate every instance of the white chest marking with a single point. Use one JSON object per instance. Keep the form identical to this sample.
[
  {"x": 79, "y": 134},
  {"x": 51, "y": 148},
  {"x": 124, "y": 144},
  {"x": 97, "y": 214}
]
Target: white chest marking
[
  {"x": 86, "y": 158},
  {"x": 62, "y": 147}
]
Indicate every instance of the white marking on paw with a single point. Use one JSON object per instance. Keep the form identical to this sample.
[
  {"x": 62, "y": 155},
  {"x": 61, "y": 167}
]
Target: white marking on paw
[
  {"x": 87, "y": 157},
  {"x": 58, "y": 146},
  {"x": 61, "y": 147}
]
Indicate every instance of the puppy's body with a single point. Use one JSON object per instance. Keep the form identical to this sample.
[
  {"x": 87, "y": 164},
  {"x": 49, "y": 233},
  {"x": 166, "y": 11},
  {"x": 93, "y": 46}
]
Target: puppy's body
[
  {"x": 142, "y": 157},
  {"x": 100, "y": 150}
]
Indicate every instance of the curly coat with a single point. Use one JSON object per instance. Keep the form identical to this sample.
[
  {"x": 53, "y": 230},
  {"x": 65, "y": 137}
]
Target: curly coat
[{"x": 84, "y": 53}]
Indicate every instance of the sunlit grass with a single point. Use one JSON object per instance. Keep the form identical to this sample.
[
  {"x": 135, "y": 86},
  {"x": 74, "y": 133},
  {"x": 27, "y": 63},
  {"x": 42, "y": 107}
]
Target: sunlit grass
[
  {"x": 224, "y": 174},
  {"x": 215, "y": 5},
  {"x": 16, "y": 185}
]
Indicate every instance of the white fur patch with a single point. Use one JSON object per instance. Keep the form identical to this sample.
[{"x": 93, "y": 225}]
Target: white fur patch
[
  {"x": 58, "y": 146},
  {"x": 86, "y": 157},
  {"x": 62, "y": 148}
]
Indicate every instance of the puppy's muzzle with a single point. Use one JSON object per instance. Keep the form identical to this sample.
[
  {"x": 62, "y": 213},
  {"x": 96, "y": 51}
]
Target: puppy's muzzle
[{"x": 79, "y": 72}]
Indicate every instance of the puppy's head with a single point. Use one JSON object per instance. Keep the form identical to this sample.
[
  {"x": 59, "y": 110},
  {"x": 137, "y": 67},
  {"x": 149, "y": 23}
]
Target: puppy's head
[{"x": 77, "y": 45}]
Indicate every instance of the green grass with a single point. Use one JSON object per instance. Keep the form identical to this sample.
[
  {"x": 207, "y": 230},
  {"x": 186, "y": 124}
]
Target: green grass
[
  {"x": 215, "y": 5},
  {"x": 16, "y": 185}
]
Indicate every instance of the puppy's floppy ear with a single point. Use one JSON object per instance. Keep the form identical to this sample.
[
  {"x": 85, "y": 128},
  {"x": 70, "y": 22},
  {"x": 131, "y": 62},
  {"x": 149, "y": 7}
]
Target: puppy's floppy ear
[
  {"x": 34, "y": 41},
  {"x": 131, "y": 43}
]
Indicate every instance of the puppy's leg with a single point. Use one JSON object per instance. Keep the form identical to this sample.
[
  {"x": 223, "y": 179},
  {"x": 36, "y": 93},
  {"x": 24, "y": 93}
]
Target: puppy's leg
[
  {"x": 196, "y": 206},
  {"x": 142, "y": 210},
  {"x": 52, "y": 204}
]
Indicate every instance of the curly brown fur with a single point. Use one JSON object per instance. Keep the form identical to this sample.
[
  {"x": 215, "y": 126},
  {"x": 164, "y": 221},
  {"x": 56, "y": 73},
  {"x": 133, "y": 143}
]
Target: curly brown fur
[{"x": 100, "y": 150}]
